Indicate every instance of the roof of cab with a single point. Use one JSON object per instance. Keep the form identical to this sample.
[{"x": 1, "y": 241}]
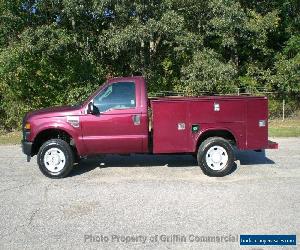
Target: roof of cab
[{"x": 125, "y": 78}]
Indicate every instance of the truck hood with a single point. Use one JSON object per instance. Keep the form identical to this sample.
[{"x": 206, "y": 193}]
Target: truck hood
[{"x": 54, "y": 111}]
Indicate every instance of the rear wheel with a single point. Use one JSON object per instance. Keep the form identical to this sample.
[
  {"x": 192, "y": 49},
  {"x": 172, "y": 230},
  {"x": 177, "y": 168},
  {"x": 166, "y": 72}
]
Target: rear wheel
[
  {"x": 215, "y": 157},
  {"x": 55, "y": 158}
]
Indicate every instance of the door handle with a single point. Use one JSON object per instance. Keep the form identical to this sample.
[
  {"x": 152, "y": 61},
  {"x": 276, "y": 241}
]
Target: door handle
[{"x": 136, "y": 119}]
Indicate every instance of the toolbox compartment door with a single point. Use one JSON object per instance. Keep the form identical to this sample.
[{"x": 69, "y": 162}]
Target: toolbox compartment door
[
  {"x": 257, "y": 123},
  {"x": 170, "y": 126}
]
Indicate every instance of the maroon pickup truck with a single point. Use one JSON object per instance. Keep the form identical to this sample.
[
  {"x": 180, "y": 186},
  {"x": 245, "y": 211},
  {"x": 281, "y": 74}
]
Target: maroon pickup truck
[{"x": 120, "y": 119}]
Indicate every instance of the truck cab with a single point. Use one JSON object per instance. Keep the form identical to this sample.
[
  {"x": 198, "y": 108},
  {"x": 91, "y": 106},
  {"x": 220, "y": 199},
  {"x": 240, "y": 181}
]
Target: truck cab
[
  {"x": 115, "y": 119},
  {"x": 118, "y": 118}
]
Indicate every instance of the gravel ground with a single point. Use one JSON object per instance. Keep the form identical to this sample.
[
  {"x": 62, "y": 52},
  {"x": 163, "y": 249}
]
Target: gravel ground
[{"x": 151, "y": 202}]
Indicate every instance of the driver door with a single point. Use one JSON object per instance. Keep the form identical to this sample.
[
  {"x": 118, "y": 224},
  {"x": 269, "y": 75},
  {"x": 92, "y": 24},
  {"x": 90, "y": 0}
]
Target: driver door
[{"x": 117, "y": 125}]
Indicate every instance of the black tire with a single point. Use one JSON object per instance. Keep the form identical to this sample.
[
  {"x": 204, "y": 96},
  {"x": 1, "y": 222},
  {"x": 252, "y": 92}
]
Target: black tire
[
  {"x": 206, "y": 158},
  {"x": 67, "y": 158}
]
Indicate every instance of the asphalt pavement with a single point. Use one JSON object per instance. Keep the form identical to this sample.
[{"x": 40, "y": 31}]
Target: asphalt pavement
[{"x": 149, "y": 202}]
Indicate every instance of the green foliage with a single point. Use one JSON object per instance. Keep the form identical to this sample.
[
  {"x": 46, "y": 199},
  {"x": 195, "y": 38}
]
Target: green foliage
[
  {"x": 276, "y": 108},
  {"x": 58, "y": 51},
  {"x": 206, "y": 72},
  {"x": 286, "y": 79},
  {"x": 43, "y": 68}
]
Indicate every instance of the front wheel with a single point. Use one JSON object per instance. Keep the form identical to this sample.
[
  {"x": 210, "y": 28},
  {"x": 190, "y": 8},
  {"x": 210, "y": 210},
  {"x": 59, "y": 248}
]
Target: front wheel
[
  {"x": 215, "y": 157},
  {"x": 55, "y": 158}
]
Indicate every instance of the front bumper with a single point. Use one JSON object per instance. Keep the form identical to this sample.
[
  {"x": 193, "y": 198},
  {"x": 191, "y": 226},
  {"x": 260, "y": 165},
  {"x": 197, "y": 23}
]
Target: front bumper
[{"x": 26, "y": 148}]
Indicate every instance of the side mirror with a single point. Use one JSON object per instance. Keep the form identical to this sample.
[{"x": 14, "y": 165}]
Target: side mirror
[{"x": 90, "y": 108}]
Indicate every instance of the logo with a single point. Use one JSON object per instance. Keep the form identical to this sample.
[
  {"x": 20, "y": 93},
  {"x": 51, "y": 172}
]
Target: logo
[{"x": 268, "y": 240}]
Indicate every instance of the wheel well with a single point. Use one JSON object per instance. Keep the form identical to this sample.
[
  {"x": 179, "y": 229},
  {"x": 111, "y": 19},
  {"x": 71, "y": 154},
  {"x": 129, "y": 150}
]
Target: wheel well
[
  {"x": 48, "y": 134},
  {"x": 216, "y": 133}
]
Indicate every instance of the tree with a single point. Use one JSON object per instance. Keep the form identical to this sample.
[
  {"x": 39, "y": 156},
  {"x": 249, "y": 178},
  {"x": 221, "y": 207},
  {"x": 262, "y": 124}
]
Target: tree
[
  {"x": 57, "y": 51},
  {"x": 206, "y": 72},
  {"x": 286, "y": 79},
  {"x": 44, "y": 68}
]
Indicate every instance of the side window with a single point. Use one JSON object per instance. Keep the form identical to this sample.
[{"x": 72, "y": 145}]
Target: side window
[{"x": 119, "y": 95}]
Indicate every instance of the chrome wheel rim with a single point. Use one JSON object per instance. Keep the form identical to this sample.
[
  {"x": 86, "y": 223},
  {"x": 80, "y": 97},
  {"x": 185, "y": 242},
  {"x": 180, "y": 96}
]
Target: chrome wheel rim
[
  {"x": 216, "y": 157},
  {"x": 54, "y": 160}
]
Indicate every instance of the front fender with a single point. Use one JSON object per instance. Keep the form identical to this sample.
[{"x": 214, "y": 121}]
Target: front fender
[{"x": 60, "y": 123}]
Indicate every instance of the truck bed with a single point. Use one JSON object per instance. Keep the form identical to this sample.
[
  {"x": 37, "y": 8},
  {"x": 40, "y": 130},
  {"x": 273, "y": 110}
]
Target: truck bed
[{"x": 173, "y": 118}]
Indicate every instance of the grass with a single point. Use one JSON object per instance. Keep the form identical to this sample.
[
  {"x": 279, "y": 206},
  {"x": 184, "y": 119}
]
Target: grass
[
  {"x": 277, "y": 128},
  {"x": 286, "y": 128},
  {"x": 10, "y": 138}
]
